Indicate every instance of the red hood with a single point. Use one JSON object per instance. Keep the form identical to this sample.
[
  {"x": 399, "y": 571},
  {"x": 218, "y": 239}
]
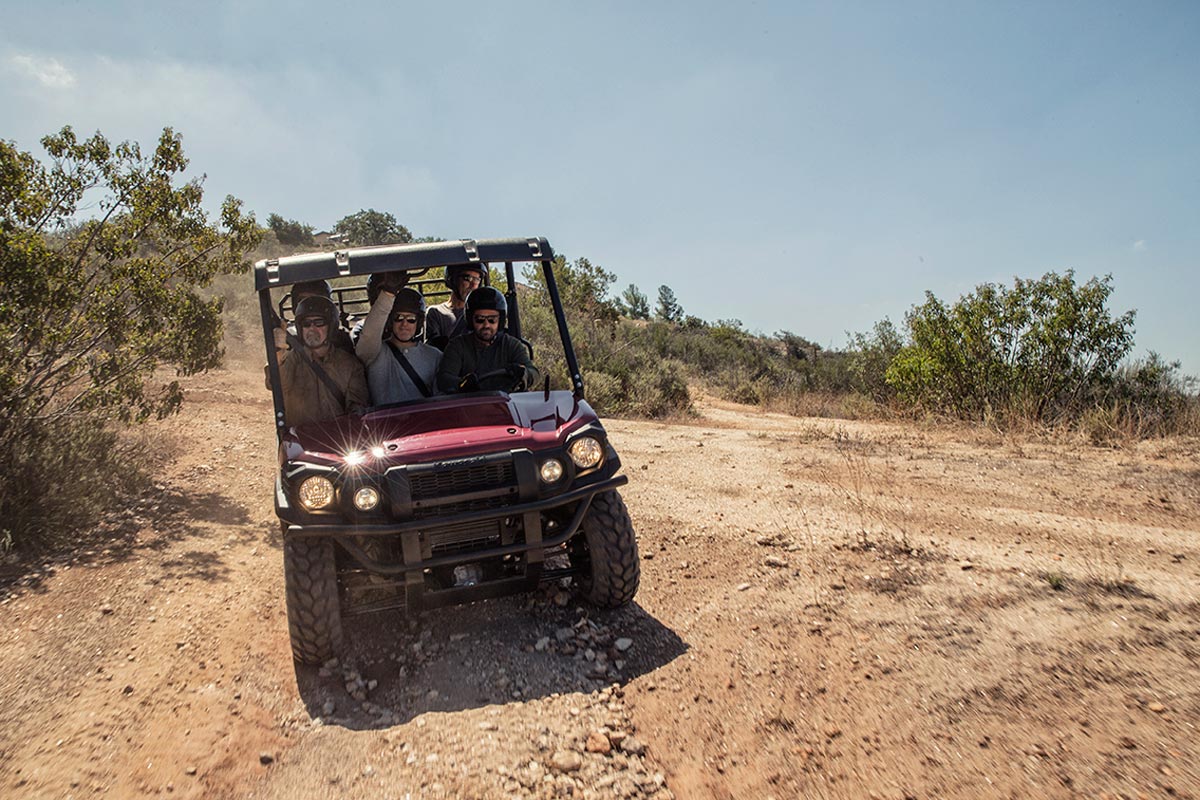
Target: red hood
[{"x": 445, "y": 427}]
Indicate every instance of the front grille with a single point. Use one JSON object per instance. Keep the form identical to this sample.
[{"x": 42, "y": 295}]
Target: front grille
[
  {"x": 466, "y": 538},
  {"x": 449, "y": 479},
  {"x": 449, "y": 488}
]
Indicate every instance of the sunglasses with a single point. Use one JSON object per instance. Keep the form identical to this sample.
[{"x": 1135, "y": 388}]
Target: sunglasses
[
  {"x": 407, "y": 319},
  {"x": 311, "y": 322},
  {"x": 474, "y": 280},
  {"x": 487, "y": 320}
]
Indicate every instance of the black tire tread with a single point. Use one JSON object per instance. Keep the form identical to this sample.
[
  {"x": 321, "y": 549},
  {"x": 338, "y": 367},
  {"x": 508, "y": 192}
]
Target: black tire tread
[
  {"x": 313, "y": 607},
  {"x": 615, "y": 568}
]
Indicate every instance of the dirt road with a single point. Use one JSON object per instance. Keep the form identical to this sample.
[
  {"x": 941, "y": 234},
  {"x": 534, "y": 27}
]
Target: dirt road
[{"x": 828, "y": 609}]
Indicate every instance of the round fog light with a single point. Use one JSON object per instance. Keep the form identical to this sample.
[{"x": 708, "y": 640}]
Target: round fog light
[
  {"x": 316, "y": 492},
  {"x": 366, "y": 498},
  {"x": 586, "y": 452},
  {"x": 552, "y": 470}
]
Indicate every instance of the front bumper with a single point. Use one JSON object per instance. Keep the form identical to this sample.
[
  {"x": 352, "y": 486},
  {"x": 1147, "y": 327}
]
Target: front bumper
[{"x": 413, "y": 535}]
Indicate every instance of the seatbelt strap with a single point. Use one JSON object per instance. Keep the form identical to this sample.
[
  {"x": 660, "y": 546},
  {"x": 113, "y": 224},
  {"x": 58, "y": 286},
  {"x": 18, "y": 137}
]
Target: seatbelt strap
[
  {"x": 318, "y": 370},
  {"x": 412, "y": 373}
]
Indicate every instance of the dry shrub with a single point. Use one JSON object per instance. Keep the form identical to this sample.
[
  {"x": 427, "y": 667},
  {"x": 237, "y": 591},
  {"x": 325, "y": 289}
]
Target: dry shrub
[{"x": 59, "y": 478}]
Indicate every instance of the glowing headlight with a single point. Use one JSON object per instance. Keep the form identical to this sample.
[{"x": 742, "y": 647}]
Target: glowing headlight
[
  {"x": 366, "y": 498},
  {"x": 316, "y": 492},
  {"x": 552, "y": 470},
  {"x": 586, "y": 452},
  {"x": 355, "y": 458}
]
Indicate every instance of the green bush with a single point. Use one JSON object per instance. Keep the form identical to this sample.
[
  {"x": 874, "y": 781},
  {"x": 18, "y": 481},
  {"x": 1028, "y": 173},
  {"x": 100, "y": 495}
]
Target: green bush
[
  {"x": 1041, "y": 350},
  {"x": 90, "y": 309},
  {"x": 58, "y": 479}
]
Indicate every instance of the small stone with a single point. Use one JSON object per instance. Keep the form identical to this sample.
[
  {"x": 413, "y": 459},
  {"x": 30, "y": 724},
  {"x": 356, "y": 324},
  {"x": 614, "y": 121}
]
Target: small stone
[
  {"x": 487, "y": 725},
  {"x": 598, "y": 743},
  {"x": 561, "y": 599},
  {"x": 190, "y": 770},
  {"x": 623, "y": 644},
  {"x": 564, "y": 634},
  {"x": 106, "y": 609},
  {"x": 775, "y": 561},
  {"x": 965, "y": 565},
  {"x": 265, "y": 758},
  {"x": 329, "y": 707},
  {"x": 566, "y": 761},
  {"x": 633, "y": 746},
  {"x": 542, "y": 644},
  {"x": 741, "y": 587},
  {"x": 1157, "y": 707}
]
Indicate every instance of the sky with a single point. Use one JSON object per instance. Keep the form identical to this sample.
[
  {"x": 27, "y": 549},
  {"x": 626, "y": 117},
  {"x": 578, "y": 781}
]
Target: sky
[{"x": 799, "y": 166}]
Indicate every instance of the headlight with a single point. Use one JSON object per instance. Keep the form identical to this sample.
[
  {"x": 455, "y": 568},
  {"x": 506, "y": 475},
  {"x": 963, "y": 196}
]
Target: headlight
[
  {"x": 355, "y": 458},
  {"x": 586, "y": 452},
  {"x": 551, "y": 471},
  {"x": 366, "y": 498},
  {"x": 316, "y": 492}
]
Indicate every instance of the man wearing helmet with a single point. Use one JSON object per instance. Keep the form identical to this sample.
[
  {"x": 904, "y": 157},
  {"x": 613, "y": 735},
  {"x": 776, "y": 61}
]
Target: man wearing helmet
[
  {"x": 317, "y": 288},
  {"x": 445, "y": 320},
  {"x": 319, "y": 381},
  {"x": 399, "y": 365},
  {"x": 487, "y": 357}
]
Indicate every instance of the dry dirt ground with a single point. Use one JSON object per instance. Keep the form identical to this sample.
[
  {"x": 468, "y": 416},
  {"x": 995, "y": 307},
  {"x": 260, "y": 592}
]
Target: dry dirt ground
[{"x": 827, "y": 609}]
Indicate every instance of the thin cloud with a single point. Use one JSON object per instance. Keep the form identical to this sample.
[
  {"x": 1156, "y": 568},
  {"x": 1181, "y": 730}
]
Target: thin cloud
[
  {"x": 49, "y": 72},
  {"x": 1139, "y": 246}
]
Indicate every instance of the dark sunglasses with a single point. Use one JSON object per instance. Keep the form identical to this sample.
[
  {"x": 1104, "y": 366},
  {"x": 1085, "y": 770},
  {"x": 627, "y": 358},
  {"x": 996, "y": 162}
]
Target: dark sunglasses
[
  {"x": 407, "y": 319},
  {"x": 487, "y": 320},
  {"x": 310, "y": 322}
]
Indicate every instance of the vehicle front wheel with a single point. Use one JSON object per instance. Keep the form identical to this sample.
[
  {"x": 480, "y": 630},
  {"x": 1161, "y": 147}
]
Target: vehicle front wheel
[
  {"x": 313, "y": 609},
  {"x": 607, "y": 553}
]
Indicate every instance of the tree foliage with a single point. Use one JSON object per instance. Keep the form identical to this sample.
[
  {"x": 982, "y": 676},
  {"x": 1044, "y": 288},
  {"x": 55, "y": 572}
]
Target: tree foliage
[
  {"x": 582, "y": 287},
  {"x": 870, "y": 356},
  {"x": 633, "y": 303},
  {"x": 92, "y": 306},
  {"x": 371, "y": 227},
  {"x": 1042, "y": 348},
  {"x": 668, "y": 309},
  {"x": 290, "y": 231}
]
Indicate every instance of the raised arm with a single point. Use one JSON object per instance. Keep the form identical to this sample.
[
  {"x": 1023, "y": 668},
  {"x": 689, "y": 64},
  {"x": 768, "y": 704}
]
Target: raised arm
[{"x": 370, "y": 340}]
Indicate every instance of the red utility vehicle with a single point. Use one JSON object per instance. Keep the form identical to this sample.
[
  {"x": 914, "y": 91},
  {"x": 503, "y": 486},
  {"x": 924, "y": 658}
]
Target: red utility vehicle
[{"x": 448, "y": 499}]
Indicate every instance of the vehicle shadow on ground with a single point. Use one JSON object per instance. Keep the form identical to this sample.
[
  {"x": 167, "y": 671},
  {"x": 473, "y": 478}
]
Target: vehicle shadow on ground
[{"x": 510, "y": 650}]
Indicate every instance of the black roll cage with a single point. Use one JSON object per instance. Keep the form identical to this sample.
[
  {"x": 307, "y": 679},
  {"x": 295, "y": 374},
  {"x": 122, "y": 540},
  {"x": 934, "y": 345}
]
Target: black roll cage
[{"x": 416, "y": 259}]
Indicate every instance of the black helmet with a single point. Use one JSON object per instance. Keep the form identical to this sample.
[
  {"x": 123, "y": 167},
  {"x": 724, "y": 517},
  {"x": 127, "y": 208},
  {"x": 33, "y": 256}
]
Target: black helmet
[
  {"x": 412, "y": 302},
  {"x": 487, "y": 297},
  {"x": 453, "y": 271},
  {"x": 305, "y": 289},
  {"x": 317, "y": 306}
]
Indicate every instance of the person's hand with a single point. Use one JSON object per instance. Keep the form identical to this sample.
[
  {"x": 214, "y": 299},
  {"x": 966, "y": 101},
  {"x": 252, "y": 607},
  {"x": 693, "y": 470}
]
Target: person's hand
[
  {"x": 517, "y": 371},
  {"x": 281, "y": 341},
  {"x": 469, "y": 383},
  {"x": 394, "y": 282}
]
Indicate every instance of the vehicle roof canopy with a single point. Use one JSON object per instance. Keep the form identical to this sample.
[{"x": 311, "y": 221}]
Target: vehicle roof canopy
[{"x": 275, "y": 272}]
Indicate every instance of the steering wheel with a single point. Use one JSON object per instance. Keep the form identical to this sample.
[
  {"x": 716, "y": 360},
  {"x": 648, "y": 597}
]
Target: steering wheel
[{"x": 511, "y": 385}]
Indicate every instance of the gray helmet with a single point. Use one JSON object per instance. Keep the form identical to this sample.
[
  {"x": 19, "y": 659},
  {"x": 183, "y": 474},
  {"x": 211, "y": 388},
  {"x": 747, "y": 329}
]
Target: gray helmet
[
  {"x": 487, "y": 297},
  {"x": 412, "y": 302},
  {"x": 317, "y": 306}
]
